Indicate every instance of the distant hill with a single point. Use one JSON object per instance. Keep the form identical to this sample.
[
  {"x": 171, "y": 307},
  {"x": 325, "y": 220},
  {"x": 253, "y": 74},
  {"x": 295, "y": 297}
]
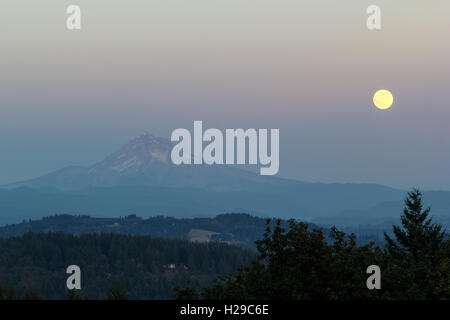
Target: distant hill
[
  {"x": 232, "y": 228},
  {"x": 384, "y": 214},
  {"x": 301, "y": 202},
  {"x": 238, "y": 229}
]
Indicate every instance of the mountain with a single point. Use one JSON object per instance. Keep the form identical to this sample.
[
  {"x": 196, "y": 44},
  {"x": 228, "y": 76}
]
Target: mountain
[
  {"x": 140, "y": 179},
  {"x": 145, "y": 161}
]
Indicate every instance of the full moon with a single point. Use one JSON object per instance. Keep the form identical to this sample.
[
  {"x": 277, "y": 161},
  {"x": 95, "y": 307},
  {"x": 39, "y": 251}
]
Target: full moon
[{"x": 383, "y": 99}]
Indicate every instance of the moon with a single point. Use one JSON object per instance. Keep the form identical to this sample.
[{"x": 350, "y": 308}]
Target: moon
[{"x": 383, "y": 99}]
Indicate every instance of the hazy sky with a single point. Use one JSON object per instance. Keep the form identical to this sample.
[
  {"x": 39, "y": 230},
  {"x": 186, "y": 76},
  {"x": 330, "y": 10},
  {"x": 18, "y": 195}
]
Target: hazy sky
[{"x": 309, "y": 68}]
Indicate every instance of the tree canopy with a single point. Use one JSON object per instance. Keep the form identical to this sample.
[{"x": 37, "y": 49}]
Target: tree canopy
[{"x": 299, "y": 263}]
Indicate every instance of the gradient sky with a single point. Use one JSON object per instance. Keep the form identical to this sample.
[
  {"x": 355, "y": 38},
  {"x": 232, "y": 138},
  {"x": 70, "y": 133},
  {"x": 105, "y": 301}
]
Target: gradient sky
[{"x": 309, "y": 68}]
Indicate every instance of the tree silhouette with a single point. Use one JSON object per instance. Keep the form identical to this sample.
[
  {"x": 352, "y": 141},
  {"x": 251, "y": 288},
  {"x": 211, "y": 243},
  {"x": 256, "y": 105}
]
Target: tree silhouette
[
  {"x": 302, "y": 264},
  {"x": 419, "y": 236}
]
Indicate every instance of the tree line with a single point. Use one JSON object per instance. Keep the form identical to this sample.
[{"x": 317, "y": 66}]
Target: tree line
[
  {"x": 293, "y": 261},
  {"x": 299, "y": 263},
  {"x": 112, "y": 265}
]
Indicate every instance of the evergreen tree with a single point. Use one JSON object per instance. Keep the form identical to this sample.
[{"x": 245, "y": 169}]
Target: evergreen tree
[
  {"x": 419, "y": 236},
  {"x": 138, "y": 262},
  {"x": 301, "y": 264}
]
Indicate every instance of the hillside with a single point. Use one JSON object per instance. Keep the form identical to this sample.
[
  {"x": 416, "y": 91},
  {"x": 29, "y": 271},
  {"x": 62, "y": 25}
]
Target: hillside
[
  {"x": 145, "y": 268},
  {"x": 238, "y": 229}
]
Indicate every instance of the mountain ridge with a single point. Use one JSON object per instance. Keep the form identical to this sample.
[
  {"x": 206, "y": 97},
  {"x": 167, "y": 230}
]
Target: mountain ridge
[
  {"x": 145, "y": 161},
  {"x": 139, "y": 178}
]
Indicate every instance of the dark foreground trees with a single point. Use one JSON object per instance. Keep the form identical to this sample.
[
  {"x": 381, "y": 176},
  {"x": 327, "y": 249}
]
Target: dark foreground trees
[
  {"x": 294, "y": 262},
  {"x": 419, "y": 254},
  {"x": 299, "y": 263},
  {"x": 419, "y": 236},
  {"x": 33, "y": 266}
]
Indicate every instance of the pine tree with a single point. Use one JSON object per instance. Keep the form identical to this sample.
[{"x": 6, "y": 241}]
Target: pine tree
[{"x": 419, "y": 236}]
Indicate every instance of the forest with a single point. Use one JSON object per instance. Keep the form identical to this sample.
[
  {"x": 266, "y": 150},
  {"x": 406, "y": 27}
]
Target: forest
[
  {"x": 235, "y": 228},
  {"x": 297, "y": 263},
  {"x": 292, "y": 261},
  {"x": 241, "y": 229},
  {"x": 34, "y": 265}
]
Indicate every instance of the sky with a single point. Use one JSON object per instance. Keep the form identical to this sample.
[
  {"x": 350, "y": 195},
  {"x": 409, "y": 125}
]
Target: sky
[{"x": 309, "y": 68}]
